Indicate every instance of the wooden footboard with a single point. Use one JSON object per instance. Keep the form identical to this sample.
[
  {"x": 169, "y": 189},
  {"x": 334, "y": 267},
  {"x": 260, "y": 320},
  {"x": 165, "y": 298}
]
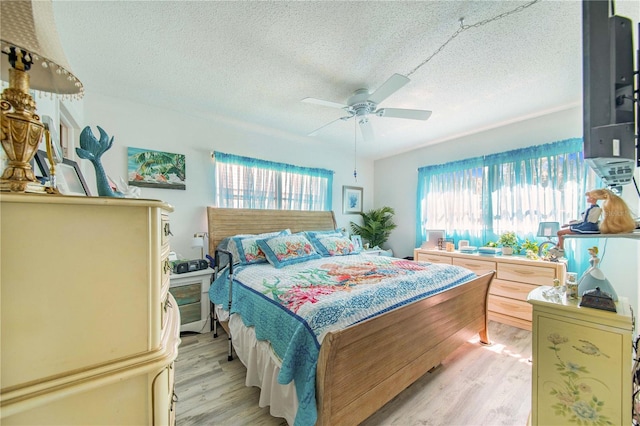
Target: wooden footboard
[{"x": 363, "y": 367}]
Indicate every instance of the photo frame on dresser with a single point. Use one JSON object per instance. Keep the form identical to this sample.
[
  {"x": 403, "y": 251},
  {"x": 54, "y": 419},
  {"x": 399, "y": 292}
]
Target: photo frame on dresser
[
  {"x": 357, "y": 242},
  {"x": 434, "y": 239},
  {"x": 69, "y": 178}
]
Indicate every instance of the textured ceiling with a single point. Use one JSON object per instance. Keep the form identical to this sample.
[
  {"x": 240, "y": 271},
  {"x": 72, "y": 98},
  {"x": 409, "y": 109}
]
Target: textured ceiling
[{"x": 256, "y": 61}]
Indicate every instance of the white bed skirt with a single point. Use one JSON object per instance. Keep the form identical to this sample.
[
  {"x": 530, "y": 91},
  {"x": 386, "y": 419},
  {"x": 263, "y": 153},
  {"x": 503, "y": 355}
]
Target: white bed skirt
[{"x": 263, "y": 367}]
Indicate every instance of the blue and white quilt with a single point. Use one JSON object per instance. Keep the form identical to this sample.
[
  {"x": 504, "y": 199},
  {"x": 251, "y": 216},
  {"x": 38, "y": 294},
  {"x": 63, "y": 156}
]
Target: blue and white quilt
[{"x": 296, "y": 306}]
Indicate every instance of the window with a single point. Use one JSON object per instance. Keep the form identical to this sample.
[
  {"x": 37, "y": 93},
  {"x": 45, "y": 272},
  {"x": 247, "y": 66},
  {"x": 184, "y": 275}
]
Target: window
[
  {"x": 244, "y": 182},
  {"x": 480, "y": 198}
]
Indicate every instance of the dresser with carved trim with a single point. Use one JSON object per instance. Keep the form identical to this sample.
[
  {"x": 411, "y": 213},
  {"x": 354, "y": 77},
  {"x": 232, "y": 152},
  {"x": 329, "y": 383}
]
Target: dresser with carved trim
[{"x": 90, "y": 331}]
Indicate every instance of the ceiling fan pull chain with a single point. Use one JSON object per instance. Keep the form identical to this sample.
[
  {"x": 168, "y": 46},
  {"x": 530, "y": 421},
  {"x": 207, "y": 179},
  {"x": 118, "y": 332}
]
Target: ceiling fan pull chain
[{"x": 355, "y": 157}]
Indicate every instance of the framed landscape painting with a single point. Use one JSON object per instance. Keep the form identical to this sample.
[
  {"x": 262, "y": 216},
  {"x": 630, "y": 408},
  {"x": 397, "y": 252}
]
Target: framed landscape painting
[
  {"x": 351, "y": 200},
  {"x": 156, "y": 169}
]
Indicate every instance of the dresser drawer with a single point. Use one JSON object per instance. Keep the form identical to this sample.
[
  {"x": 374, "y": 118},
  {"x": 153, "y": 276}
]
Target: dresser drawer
[
  {"x": 190, "y": 313},
  {"x": 529, "y": 274},
  {"x": 187, "y": 294},
  {"x": 434, "y": 258},
  {"x": 161, "y": 393},
  {"x": 510, "y": 307},
  {"x": 480, "y": 267},
  {"x": 165, "y": 308},
  {"x": 165, "y": 230},
  {"x": 165, "y": 273},
  {"x": 172, "y": 396},
  {"x": 511, "y": 289}
]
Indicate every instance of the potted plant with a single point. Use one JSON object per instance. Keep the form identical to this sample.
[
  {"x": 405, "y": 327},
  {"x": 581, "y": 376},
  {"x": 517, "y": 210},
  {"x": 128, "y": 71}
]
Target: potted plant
[
  {"x": 530, "y": 246},
  {"x": 376, "y": 227},
  {"x": 509, "y": 243}
]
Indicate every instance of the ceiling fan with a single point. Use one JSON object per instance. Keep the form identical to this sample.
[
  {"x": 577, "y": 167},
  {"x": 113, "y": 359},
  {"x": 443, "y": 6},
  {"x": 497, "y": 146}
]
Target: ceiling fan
[{"x": 362, "y": 103}]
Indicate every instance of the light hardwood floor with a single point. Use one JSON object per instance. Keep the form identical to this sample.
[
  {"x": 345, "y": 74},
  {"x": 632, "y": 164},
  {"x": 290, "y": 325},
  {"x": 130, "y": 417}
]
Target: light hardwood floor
[{"x": 476, "y": 385}]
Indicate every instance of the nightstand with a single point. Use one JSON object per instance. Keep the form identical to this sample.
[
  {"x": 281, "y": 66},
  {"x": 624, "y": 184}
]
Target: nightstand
[
  {"x": 373, "y": 252},
  {"x": 582, "y": 362},
  {"x": 191, "y": 291}
]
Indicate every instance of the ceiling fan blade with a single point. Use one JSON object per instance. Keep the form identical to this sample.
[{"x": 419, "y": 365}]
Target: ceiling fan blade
[
  {"x": 315, "y": 132},
  {"x": 366, "y": 129},
  {"x": 413, "y": 114},
  {"x": 388, "y": 88},
  {"x": 324, "y": 103}
]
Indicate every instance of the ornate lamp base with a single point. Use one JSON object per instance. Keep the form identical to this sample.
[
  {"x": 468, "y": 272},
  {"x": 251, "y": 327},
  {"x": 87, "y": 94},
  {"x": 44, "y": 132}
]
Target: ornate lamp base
[
  {"x": 20, "y": 134},
  {"x": 18, "y": 186}
]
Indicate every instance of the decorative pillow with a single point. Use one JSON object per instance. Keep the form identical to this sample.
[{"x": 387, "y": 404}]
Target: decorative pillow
[
  {"x": 288, "y": 249},
  {"x": 245, "y": 250},
  {"x": 317, "y": 234},
  {"x": 334, "y": 246}
]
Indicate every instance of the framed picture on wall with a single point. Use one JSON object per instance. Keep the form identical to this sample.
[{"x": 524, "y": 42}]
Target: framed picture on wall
[
  {"x": 156, "y": 169},
  {"x": 351, "y": 200}
]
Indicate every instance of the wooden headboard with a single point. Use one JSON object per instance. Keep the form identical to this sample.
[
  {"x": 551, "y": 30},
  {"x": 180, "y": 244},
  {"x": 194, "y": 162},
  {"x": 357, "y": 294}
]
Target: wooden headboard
[{"x": 225, "y": 222}]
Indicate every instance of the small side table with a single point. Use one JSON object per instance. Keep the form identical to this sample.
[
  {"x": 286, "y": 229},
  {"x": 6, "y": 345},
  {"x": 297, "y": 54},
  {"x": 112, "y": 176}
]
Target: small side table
[
  {"x": 373, "y": 252},
  {"x": 582, "y": 362},
  {"x": 191, "y": 291}
]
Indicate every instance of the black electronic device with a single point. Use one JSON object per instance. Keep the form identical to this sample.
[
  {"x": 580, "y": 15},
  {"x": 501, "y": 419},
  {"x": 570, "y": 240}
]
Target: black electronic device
[
  {"x": 608, "y": 93},
  {"x": 184, "y": 266}
]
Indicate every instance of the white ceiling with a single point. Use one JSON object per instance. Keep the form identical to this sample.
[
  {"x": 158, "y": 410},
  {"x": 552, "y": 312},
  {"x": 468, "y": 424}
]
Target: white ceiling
[{"x": 256, "y": 61}]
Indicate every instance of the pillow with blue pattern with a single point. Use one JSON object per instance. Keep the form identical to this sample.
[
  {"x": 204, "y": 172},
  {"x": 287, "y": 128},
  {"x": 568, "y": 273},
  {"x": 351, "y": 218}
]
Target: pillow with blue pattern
[
  {"x": 288, "y": 249},
  {"x": 245, "y": 249},
  {"x": 331, "y": 245},
  {"x": 330, "y": 233}
]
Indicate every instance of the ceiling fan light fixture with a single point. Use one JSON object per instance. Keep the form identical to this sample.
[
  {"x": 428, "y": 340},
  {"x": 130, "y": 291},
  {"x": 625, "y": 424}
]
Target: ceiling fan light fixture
[{"x": 362, "y": 103}]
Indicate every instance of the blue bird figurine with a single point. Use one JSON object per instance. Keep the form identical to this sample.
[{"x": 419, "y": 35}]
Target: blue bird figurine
[{"x": 92, "y": 149}]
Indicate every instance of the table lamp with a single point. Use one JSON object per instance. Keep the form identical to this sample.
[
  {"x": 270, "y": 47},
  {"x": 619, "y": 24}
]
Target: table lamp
[
  {"x": 198, "y": 241},
  {"x": 549, "y": 230},
  {"x": 32, "y": 59}
]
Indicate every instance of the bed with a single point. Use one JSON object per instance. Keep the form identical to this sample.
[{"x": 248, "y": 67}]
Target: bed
[{"x": 363, "y": 366}]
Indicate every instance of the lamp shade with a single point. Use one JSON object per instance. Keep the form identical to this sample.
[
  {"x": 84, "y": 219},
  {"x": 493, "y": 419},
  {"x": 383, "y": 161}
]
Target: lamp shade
[
  {"x": 548, "y": 229},
  {"x": 197, "y": 242},
  {"x": 29, "y": 26}
]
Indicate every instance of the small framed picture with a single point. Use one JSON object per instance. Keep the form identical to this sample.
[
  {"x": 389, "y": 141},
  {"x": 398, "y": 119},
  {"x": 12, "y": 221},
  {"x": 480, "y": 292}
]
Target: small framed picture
[
  {"x": 357, "y": 242},
  {"x": 69, "y": 179},
  {"x": 351, "y": 200}
]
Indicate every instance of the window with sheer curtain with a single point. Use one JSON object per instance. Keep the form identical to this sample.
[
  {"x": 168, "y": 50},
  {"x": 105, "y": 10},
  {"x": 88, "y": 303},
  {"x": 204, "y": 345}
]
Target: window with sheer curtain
[
  {"x": 244, "y": 182},
  {"x": 479, "y": 198}
]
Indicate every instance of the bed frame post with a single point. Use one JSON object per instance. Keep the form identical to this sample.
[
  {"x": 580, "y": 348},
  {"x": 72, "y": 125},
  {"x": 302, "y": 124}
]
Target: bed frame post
[
  {"x": 214, "y": 263},
  {"x": 230, "y": 354}
]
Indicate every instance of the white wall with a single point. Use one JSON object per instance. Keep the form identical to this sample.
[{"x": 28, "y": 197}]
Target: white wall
[
  {"x": 396, "y": 185},
  {"x": 143, "y": 126},
  {"x": 390, "y": 182}
]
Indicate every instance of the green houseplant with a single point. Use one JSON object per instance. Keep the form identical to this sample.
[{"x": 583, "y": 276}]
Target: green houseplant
[
  {"x": 376, "y": 227},
  {"x": 509, "y": 242},
  {"x": 530, "y": 245}
]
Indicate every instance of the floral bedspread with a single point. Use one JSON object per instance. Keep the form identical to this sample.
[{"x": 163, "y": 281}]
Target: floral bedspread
[{"x": 296, "y": 306}]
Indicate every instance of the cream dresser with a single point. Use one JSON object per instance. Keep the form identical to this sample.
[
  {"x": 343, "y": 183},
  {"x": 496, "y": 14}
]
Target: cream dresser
[
  {"x": 582, "y": 363},
  {"x": 89, "y": 329},
  {"x": 516, "y": 277}
]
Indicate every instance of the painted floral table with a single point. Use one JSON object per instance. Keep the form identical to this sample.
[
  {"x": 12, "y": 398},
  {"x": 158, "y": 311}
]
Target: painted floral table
[{"x": 582, "y": 362}]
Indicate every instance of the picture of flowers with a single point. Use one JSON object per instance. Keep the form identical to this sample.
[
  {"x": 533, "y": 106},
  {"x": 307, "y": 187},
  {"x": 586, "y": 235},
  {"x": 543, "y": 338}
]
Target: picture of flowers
[{"x": 156, "y": 169}]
